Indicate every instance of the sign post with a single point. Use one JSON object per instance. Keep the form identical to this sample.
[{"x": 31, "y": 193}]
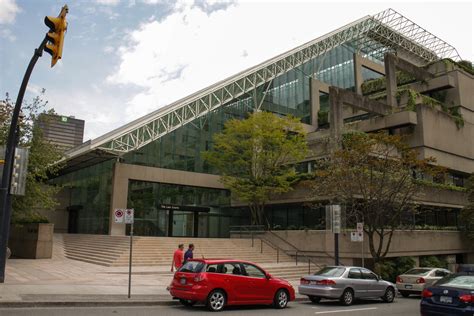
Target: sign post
[
  {"x": 335, "y": 218},
  {"x": 129, "y": 220},
  {"x": 360, "y": 232},
  {"x": 126, "y": 216}
]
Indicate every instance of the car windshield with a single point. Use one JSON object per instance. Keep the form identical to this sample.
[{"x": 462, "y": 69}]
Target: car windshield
[
  {"x": 458, "y": 281},
  {"x": 418, "y": 271},
  {"x": 192, "y": 266},
  {"x": 331, "y": 272}
]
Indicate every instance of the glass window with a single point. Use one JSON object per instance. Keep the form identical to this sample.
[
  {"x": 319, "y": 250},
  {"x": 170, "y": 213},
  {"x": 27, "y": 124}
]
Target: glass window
[
  {"x": 354, "y": 274},
  {"x": 331, "y": 271},
  {"x": 417, "y": 272},
  {"x": 368, "y": 275},
  {"x": 458, "y": 281},
  {"x": 253, "y": 271},
  {"x": 192, "y": 267}
]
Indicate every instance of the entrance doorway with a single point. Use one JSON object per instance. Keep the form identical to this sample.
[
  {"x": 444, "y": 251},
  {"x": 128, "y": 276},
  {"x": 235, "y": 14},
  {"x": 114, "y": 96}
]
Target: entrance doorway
[{"x": 183, "y": 221}]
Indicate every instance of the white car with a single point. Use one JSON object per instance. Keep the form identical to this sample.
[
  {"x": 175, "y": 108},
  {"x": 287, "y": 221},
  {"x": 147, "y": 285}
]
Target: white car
[{"x": 415, "y": 280}]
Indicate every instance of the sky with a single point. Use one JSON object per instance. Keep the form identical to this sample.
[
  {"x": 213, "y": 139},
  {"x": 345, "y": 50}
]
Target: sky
[{"x": 125, "y": 58}]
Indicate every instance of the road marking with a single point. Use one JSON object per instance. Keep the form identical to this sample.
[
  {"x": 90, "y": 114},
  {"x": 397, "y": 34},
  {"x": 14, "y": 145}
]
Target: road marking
[{"x": 347, "y": 310}]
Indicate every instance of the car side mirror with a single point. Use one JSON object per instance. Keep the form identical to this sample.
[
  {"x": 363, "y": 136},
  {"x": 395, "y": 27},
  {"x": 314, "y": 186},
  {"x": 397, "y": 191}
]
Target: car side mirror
[{"x": 268, "y": 276}]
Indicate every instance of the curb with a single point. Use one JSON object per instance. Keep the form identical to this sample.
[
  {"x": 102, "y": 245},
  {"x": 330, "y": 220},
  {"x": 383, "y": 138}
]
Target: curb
[
  {"x": 31, "y": 304},
  {"x": 27, "y": 304}
]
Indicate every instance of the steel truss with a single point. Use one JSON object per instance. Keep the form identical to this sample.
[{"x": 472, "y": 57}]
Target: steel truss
[{"x": 387, "y": 29}]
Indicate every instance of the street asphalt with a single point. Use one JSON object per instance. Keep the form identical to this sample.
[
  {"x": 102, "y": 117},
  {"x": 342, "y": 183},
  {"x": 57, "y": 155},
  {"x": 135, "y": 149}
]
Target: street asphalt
[{"x": 401, "y": 306}]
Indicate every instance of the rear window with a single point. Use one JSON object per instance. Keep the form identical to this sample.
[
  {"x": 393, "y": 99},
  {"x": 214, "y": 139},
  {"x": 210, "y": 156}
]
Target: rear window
[
  {"x": 192, "y": 266},
  {"x": 331, "y": 272},
  {"x": 418, "y": 271},
  {"x": 458, "y": 281}
]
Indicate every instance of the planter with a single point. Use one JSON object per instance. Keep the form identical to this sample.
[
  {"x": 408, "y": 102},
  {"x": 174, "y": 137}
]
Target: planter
[{"x": 31, "y": 241}]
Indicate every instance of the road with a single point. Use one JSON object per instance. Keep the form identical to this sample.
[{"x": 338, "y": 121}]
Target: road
[{"x": 401, "y": 306}]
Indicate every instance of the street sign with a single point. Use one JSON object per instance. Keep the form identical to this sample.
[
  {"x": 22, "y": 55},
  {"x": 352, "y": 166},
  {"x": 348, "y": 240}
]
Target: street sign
[
  {"x": 118, "y": 214},
  {"x": 336, "y": 219},
  {"x": 129, "y": 216},
  {"x": 357, "y": 237},
  {"x": 360, "y": 227}
]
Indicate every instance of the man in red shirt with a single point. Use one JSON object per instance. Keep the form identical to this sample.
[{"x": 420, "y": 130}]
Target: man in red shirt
[{"x": 177, "y": 258}]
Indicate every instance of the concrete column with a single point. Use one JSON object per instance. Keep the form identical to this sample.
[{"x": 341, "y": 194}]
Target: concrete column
[
  {"x": 314, "y": 99},
  {"x": 391, "y": 80},
  {"x": 336, "y": 119},
  {"x": 118, "y": 199},
  {"x": 358, "y": 79}
]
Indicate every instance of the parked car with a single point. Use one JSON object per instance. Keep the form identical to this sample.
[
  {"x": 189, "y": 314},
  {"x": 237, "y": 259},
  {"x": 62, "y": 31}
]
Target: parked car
[
  {"x": 452, "y": 295},
  {"x": 415, "y": 280},
  {"x": 345, "y": 284},
  {"x": 218, "y": 283}
]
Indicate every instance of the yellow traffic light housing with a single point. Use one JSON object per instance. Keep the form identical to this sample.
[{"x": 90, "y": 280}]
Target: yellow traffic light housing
[{"x": 57, "y": 28}]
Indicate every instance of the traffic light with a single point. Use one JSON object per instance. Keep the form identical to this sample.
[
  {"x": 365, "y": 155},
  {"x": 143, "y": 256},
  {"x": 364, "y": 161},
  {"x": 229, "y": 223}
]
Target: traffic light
[{"x": 57, "y": 28}]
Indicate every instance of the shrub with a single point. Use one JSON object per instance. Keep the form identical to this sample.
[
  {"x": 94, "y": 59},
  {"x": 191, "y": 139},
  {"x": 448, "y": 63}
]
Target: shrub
[
  {"x": 433, "y": 261},
  {"x": 390, "y": 268}
]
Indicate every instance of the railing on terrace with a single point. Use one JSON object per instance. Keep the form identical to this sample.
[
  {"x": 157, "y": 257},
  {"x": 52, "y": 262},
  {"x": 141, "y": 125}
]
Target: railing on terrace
[{"x": 258, "y": 232}]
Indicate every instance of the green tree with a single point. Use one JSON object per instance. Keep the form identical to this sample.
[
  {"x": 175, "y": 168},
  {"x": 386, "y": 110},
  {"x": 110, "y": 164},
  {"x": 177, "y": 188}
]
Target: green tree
[
  {"x": 467, "y": 213},
  {"x": 38, "y": 193},
  {"x": 256, "y": 157},
  {"x": 372, "y": 175}
]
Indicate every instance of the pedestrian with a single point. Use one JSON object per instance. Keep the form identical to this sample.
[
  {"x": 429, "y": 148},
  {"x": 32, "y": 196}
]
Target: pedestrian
[
  {"x": 177, "y": 258},
  {"x": 189, "y": 253}
]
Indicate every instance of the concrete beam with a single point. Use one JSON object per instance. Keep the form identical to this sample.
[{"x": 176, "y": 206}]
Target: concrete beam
[
  {"x": 359, "y": 63},
  {"x": 398, "y": 119}
]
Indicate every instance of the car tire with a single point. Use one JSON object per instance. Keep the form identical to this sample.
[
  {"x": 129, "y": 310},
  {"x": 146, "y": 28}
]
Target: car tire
[
  {"x": 281, "y": 299},
  {"x": 404, "y": 294},
  {"x": 389, "y": 295},
  {"x": 216, "y": 300},
  {"x": 187, "y": 303},
  {"x": 347, "y": 297},
  {"x": 314, "y": 299}
]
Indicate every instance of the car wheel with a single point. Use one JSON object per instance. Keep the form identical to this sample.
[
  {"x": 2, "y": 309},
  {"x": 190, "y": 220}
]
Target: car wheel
[
  {"x": 404, "y": 294},
  {"x": 216, "y": 301},
  {"x": 314, "y": 299},
  {"x": 281, "y": 299},
  {"x": 389, "y": 295},
  {"x": 347, "y": 297},
  {"x": 187, "y": 302}
]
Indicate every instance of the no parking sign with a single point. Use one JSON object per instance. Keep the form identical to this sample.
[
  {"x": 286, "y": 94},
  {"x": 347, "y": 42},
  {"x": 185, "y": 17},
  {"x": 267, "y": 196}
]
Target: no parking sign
[{"x": 118, "y": 214}]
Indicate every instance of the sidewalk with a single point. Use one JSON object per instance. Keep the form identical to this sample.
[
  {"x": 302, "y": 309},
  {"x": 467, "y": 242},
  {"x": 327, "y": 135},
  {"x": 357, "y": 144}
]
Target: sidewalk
[{"x": 62, "y": 281}]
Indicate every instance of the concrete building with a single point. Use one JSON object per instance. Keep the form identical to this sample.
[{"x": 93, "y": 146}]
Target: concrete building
[
  {"x": 381, "y": 72},
  {"x": 64, "y": 131}
]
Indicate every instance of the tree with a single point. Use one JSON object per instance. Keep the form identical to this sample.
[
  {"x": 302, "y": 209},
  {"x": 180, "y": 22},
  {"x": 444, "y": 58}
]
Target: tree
[
  {"x": 467, "y": 213},
  {"x": 372, "y": 176},
  {"x": 256, "y": 158},
  {"x": 42, "y": 154}
]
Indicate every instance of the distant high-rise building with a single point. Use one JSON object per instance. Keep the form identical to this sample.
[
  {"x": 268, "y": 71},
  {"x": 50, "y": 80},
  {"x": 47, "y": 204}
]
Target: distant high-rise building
[{"x": 64, "y": 131}]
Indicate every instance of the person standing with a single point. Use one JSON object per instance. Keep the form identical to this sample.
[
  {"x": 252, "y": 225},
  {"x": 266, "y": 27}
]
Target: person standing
[
  {"x": 177, "y": 258},
  {"x": 189, "y": 253}
]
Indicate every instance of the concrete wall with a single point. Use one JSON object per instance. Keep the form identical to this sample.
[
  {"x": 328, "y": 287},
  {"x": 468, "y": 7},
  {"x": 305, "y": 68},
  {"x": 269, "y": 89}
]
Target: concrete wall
[{"x": 405, "y": 243}]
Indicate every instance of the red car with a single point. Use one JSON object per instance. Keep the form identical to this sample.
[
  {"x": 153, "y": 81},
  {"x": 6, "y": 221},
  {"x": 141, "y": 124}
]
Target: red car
[{"x": 218, "y": 283}]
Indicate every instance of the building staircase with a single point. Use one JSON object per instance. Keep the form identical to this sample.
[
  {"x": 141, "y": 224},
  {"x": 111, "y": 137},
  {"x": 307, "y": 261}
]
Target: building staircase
[{"x": 113, "y": 251}]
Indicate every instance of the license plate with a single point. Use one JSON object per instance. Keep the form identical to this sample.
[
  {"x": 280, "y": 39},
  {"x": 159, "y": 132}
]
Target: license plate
[
  {"x": 445, "y": 299},
  {"x": 183, "y": 281},
  {"x": 408, "y": 286}
]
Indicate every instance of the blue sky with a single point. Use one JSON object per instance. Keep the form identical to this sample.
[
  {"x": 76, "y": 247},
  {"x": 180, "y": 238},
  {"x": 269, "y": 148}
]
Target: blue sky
[{"x": 125, "y": 58}]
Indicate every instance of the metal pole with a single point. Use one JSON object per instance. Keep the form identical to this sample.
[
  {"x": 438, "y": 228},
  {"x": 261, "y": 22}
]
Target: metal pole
[
  {"x": 363, "y": 265},
  {"x": 336, "y": 248},
  {"x": 130, "y": 262},
  {"x": 296, "y": 257},
  {"x": 251, "y": 234},
  {"x": 5, "y": 199},
  {"x": 278, "y": 255},
  {"x": 261, "y": 246},
  {"x": 309, "y": 267}
]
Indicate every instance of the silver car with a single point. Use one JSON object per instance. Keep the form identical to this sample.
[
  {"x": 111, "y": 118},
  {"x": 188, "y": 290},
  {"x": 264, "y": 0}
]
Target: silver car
[
  {"x": 345, "y": 284},
  {"x": 415, "y": 280}
]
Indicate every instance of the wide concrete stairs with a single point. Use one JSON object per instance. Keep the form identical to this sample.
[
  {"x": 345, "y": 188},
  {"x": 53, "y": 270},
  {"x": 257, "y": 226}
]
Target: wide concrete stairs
[{"x": 113, "y": 251}]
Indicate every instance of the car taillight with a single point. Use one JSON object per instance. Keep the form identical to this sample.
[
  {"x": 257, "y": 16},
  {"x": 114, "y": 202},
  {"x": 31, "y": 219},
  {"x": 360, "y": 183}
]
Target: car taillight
[
  {"x": 420, "y": 281},
  {"x": 326, "y": 282},
  {"x": 198, "y": 278},
  {"x": 304, "y": 281},
  {"x": 399, "y": 279},
  {"x": 426, "y": 293},
  {"x": 467, "y": 298}
]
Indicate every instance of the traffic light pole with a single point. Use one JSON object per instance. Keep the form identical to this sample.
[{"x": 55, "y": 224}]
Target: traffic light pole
[{"x": 5, "y": 197}]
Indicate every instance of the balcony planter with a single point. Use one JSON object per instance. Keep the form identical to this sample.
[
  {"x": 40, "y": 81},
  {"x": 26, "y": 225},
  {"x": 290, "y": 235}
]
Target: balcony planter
[{"x": 31, "y": 240}]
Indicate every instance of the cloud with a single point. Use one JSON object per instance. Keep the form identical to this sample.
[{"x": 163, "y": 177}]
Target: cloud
[
  {"x": 108, "y": 2},
  {"x": 6, "y": 33},
  {"x": 8, "y": 11}
]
